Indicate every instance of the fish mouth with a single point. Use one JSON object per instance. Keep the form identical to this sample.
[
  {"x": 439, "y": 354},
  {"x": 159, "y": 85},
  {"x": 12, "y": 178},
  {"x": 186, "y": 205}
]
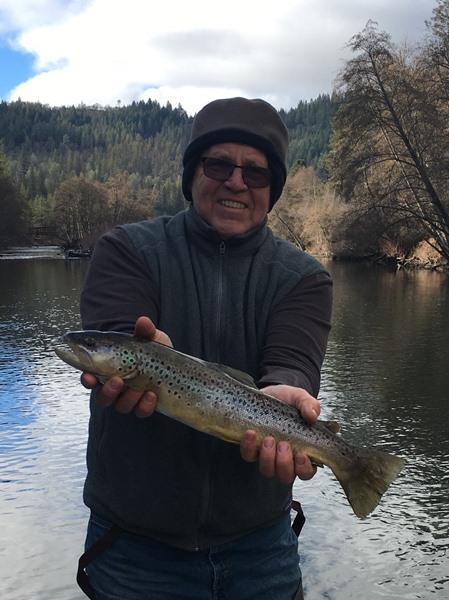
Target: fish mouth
[{"x": 72, "y": 354}]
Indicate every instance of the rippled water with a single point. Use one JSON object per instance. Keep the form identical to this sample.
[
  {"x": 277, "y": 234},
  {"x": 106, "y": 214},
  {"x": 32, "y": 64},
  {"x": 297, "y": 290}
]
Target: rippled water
[
  {"x": 43, "y": 423},
  {"x": 385, "y": 379}
]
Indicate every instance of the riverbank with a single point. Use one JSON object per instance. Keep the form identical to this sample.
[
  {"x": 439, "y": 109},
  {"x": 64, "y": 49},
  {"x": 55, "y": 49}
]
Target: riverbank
[
  {"x": 395, "y": 262},
  {"x": 43, "y": 252},
  {"x": 382, "y": 260},
  {"x": 31, "y": 252}
]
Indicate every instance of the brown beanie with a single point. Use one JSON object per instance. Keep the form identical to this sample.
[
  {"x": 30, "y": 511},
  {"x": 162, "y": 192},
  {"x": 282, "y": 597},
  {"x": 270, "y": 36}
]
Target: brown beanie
[{"x": 243, "y": 121}]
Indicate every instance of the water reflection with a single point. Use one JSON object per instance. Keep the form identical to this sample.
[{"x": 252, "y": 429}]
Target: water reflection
[
  {"x": 43, "y": 421},
  {"x": 385, "y": 379}
]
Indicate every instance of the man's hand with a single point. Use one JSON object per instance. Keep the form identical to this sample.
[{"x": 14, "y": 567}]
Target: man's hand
[
  {"x": 277, "y": 459},
  {"x": 114, "y": 391}
]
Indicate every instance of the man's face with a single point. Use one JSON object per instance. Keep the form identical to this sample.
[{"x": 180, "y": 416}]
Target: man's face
[{"x": 231, "y": 207}]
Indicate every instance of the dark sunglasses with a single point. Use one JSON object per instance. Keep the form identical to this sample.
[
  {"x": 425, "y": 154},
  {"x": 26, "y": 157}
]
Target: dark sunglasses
[{"x": 221, "y": 170}]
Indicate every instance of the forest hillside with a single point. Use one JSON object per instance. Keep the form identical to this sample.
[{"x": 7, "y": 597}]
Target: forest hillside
[{"x": 126, "y": 161}]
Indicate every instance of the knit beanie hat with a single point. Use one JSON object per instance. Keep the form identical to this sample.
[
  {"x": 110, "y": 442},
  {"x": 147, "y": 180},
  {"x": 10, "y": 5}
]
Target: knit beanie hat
[{"x": 243, "y": 121}]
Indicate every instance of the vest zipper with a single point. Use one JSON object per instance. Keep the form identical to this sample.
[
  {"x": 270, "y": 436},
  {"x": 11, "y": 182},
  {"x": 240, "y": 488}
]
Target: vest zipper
[
  {"x": 213, "y": 446},
  {"x": 220, "y": 287},
  {"x": 213, "y": 443}
]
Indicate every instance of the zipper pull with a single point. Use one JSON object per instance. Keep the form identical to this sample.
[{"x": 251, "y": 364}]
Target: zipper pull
[{"x": 222, "y": 249}]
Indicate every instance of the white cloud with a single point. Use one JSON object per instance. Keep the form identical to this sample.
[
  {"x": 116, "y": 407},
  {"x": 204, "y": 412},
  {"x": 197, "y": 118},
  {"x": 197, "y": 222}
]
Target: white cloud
[
  {"x": 103, "y": 51},
  {"x": 23, "y": 14}
]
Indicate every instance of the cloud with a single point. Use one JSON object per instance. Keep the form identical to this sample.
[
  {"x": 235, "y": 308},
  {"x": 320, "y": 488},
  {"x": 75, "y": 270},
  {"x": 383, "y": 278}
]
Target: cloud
[
  {"x": 100, "y": 51},
  {"x": 18, "y": 15}
]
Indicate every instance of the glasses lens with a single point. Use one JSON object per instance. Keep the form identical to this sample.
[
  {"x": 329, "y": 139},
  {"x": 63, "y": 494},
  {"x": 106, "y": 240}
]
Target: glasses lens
[
  {"x": 221, "y": 170},
  {"x": 256, "y": 177},
  {"x": 218, "y": 169}
]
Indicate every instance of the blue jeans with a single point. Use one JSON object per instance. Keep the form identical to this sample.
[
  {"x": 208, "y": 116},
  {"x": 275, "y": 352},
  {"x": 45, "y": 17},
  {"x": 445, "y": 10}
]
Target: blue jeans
[{"x": 263, "y": 565}]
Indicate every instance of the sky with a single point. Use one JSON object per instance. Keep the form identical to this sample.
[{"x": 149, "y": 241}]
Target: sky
[{"x": 187, "y": 52}]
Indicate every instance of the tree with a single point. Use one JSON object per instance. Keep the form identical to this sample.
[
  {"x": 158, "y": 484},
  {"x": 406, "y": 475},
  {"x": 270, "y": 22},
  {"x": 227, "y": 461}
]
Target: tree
[
  {"x": 390, "y": 146},
  {"x": 127, "y": 200},
  {"x": 13, "y": 210},
  {"x": 436, "y": 51},
  {"x": 309, "y": 126},
  {"x": 81, "y": 208},
  {"x": 308, "y": 213}
]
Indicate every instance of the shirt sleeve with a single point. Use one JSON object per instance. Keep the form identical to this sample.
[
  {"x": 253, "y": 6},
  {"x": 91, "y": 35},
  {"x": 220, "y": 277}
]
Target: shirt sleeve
[
  {"x": 118, "y": 288},
  {"x": 296, "y": 335}
]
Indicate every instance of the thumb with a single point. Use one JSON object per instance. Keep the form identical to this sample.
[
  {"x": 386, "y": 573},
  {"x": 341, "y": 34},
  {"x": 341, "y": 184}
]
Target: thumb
[{"x": 145, "y": 328}]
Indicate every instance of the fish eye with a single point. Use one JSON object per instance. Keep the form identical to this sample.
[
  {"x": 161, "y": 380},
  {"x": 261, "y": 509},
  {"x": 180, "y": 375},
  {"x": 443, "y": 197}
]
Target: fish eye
[{"x": 90, "y": 343}]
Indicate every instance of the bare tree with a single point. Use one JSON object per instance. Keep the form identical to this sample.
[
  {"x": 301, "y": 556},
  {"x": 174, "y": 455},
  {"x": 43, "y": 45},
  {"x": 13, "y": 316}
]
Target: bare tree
[
  {"x": 81, "y": 208},
  {"x": 127, "y": 202},
  {"x": 390, "y": 148},
  {"x": 308, "y": 213}
]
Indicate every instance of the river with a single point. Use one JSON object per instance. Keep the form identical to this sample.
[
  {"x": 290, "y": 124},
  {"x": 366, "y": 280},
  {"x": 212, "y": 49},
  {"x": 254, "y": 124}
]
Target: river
[{"x": 385, "y": 379}]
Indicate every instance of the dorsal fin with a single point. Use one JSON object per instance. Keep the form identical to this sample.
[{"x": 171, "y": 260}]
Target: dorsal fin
[{"x": 239, "y": 376}]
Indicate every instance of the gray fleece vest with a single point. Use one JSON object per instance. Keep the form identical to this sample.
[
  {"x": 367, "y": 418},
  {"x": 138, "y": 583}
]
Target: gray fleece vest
[{"x": 159, "y": 477}]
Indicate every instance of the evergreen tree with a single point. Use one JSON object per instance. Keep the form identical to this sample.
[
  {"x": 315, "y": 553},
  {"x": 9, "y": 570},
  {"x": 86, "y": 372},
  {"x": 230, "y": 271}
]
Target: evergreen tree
[{"x": 12, "y": 207}]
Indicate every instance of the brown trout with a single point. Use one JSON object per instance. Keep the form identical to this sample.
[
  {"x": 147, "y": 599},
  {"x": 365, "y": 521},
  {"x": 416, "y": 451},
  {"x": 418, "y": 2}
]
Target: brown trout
[{"x": 225, "y": 403}]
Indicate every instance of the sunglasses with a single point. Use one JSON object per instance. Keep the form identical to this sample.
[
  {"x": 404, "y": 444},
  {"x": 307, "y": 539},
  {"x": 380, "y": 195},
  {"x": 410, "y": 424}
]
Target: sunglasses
[{"x": 221, "y": 170}]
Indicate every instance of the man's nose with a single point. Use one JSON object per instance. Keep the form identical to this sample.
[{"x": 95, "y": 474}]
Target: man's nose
[{"x": 235, "y": 179}]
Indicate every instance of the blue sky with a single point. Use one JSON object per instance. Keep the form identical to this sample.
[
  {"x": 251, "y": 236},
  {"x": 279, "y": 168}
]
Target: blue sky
[
  {"x": 103, "y": 51},
  {"x": 15, "y": 67}
]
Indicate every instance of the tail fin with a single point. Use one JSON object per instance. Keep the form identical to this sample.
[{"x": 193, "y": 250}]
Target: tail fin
[{"x": 368, "y": 479}]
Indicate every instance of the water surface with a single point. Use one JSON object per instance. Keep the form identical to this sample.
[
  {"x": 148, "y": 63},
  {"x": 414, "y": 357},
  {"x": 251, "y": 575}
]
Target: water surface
[
  {"x": 43, "y": 425},
  {"x": 385, "y": 380}
]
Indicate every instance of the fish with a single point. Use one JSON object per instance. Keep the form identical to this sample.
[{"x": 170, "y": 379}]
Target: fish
[{"x": 224, "y": 402}]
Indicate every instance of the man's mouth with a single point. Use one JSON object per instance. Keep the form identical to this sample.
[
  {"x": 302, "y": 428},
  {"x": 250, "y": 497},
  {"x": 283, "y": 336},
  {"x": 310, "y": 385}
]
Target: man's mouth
[{"x": 232, "y": 204}]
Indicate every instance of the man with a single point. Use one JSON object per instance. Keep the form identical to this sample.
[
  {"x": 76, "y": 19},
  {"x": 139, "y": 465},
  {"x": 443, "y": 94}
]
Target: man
[{"x": 177, "y": 514}]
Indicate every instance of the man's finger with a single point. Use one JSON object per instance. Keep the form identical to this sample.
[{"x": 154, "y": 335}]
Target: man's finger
[
  {"x": 267, "y": 458},
  {"x": 89, "y": 381},
  {"x": 248, "y": 446},
  {"x": 128, "y": 400},
  {"x": 285, "y": 469},
  {"x": 304, "y": 469},
  {"x": 109, "y": 392},
  {"x": 145, "y": 328},
  {"x": 146, "y": 405}
]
